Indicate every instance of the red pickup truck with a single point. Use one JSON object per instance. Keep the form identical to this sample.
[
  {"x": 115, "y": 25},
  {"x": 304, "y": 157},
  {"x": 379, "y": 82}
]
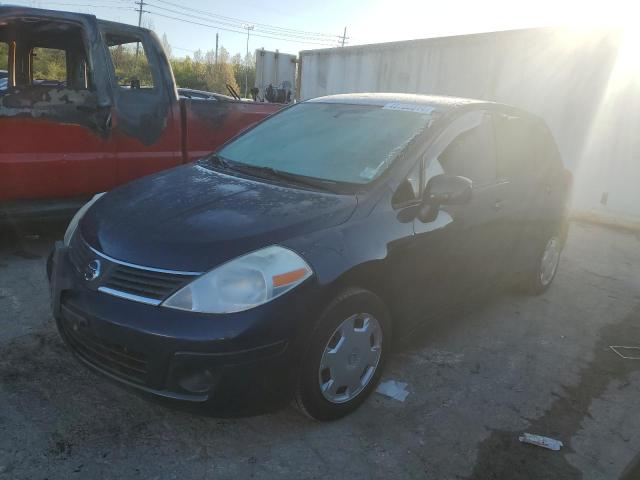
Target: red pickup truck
[{"x": 91, "y": 104}]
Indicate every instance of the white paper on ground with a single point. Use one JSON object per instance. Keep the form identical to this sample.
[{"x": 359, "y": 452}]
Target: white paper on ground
[
  {"x": 393, "y": 389},
  {"x": 540, "y": 441},
  {"x": 628, "y": 353}
]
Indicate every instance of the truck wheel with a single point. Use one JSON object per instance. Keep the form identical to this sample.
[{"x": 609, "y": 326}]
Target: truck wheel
[{"x": 346, "y": 356}]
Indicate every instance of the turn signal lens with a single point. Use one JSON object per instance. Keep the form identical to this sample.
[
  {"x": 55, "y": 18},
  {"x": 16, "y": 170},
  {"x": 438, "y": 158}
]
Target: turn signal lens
[{"x": 288, "y": 278}]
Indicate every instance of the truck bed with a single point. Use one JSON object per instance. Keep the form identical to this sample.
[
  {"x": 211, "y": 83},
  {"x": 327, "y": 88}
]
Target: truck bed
[{"x": 208, "y": 124}]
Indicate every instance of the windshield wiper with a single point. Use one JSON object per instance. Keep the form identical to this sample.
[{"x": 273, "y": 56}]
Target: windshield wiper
[
  {"x": 270, "y": 173},
  {"x": 275, "y": 174},
  {"x": 216, "y": 160}
]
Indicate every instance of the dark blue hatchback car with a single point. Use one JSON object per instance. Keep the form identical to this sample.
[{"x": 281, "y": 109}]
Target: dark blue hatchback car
[{"x": 282, "y": 265}]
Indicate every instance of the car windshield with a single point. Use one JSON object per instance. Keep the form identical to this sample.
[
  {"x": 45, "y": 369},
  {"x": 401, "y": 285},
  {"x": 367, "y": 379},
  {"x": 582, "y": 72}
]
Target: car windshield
[{"x": 330, "y": 141}]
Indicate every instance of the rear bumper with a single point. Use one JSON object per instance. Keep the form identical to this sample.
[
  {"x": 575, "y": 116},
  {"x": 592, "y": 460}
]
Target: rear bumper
[{"x": 227, "y": 361}]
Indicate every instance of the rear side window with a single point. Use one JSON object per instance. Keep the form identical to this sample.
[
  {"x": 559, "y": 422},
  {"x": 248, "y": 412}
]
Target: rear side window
[
  {"x": 4, "y": 65},
  {"x": 471, "y": 153},
  {"x": 525, "y": 147},
  {"x": 130, "y": 63},
  {"x": 48, "y": 55}
]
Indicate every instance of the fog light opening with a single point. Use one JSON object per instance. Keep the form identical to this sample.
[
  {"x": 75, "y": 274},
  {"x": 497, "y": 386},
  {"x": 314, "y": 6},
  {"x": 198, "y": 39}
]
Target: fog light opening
[{"x": 199, "y": 381}]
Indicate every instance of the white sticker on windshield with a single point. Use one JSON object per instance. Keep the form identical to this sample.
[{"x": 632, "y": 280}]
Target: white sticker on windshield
[
  {"x": 409, "y": 107},
  {"x": 369, "y": 173}
]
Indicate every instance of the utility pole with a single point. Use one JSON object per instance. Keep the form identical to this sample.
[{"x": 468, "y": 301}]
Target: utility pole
[
  {"x": 216, "y": 49},
  {"x": 344, "y": 36},
  {"x": 141, "y": 4},
  {"x": 246, "y": 67}
]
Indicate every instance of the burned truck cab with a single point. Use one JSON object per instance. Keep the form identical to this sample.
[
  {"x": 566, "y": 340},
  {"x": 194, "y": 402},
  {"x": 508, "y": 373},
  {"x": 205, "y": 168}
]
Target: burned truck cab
[{"x": 88, "y": 105}]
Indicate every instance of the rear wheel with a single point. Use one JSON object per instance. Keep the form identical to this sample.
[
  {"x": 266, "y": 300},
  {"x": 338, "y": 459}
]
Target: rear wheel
[
  {"x": 544, "y": 271},
  {"x": 347, "y": 355}
]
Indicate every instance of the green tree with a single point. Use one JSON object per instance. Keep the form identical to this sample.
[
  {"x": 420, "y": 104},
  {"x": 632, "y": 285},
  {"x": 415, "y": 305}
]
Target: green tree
[
  {"x": 49, "y": 64},
  {"x": 219, "y": 77},
  {"x": 202, "y": 72},
  {"x": 4, "y": 56},
  {"x": 188, "y": 73},
  {"x": 242, "y": 67},
  {"x": 130, "y": 66}
]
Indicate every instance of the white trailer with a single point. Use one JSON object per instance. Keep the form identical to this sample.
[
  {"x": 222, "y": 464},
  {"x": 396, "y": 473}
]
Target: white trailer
[
  {"x": 584, "y": 83},
  {"x": 276, "y": 73}
]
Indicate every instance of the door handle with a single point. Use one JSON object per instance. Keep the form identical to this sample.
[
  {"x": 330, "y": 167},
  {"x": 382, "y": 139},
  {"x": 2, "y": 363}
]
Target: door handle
[{"x": 497, "y": 205}]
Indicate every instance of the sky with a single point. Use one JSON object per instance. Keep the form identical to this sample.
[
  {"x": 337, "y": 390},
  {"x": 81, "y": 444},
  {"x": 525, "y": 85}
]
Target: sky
[{"x": 304, "y": 25}]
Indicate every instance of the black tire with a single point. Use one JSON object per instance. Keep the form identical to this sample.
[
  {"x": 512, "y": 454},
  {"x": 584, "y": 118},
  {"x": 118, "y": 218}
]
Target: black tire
[
  {"x": 533, "y": 282},
  {"x": 308, "y": 396}
]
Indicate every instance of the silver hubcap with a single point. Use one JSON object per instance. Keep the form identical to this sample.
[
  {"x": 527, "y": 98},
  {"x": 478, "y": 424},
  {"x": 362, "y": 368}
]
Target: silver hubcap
[
  {"x": 350, "y": 358},
  {"x": 550, "y": 259}
]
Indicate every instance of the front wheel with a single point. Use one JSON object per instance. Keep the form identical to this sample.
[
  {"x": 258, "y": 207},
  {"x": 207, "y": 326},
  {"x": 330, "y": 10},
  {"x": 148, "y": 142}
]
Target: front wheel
[{"x": 347, "y": 354}]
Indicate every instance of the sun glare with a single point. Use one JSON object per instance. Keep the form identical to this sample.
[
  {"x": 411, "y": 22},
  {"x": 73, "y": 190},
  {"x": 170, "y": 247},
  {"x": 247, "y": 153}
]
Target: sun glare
[{"x": 628, "y": 61}]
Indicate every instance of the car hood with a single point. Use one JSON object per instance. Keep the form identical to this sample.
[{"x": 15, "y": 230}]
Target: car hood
[{"x": 192, "y": 218}]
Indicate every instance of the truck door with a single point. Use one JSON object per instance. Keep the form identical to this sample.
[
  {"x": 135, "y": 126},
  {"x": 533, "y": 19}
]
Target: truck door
[
  {"x": 54, "y": 110},
  {"x": 147, "y": 127}
]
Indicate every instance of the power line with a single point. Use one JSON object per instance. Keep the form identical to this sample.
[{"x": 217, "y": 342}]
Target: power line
[
  {"x": 232, "y": 25},
  {"x": 257, "y": 24},
  {"x": 236, "y": 31},
  {"x": 284, "y": 34},
  {"x": 183, "y": 49}
]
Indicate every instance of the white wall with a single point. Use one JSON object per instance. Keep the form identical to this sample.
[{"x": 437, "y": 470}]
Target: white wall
[{"x": 575, "y": 80}]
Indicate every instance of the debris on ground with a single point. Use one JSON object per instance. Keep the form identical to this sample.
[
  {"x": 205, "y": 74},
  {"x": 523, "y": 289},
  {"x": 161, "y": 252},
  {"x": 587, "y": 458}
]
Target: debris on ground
[
  {"x": 540, "y": 441},
  {"x": 628, "y": 353},
  {"x": 393, "y": 389}
]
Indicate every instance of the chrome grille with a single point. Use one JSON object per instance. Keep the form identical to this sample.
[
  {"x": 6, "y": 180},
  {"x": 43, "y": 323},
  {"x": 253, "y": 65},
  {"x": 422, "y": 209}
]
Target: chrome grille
[
  {"x": 143, "y": 283},
  {"x": 135, "y": 282}
]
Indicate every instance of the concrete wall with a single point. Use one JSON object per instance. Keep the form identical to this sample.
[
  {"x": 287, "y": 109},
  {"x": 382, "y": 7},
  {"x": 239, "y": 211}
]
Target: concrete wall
[{"x": 584, "y": 83}]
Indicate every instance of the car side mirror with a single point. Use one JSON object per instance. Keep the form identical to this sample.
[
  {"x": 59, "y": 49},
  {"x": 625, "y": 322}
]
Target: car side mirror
[{"x": 444, "y": 190}]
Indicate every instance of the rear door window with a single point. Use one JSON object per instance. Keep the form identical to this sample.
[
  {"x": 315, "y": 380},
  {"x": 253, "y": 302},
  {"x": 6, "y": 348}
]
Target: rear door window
[
  {"x": 4, "y": 65},
  {"x": 47, "y": 55},
  {"x": 525, "y": 148},
  {"x": 516, "y": 146}
]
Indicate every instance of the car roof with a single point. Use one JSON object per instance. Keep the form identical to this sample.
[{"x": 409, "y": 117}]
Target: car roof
[{"x": 441, "y": 102}]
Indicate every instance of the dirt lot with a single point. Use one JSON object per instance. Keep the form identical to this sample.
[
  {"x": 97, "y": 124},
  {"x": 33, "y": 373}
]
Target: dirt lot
[{"x": 510, "y": 365}]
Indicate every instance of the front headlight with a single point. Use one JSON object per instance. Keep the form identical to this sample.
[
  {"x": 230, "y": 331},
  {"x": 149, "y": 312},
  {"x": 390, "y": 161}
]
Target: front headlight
[
  {"x": 243, "y": 283},
  {"x": 73, "y": 224}
]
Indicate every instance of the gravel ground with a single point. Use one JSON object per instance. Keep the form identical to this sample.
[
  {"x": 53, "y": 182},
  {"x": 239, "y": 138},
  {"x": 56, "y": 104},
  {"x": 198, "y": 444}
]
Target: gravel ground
[{"x": 512, "y": 364}]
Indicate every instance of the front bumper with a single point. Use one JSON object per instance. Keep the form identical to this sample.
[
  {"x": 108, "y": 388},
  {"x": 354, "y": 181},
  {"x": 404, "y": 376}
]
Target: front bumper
[{"x": 226, "y": 360}]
